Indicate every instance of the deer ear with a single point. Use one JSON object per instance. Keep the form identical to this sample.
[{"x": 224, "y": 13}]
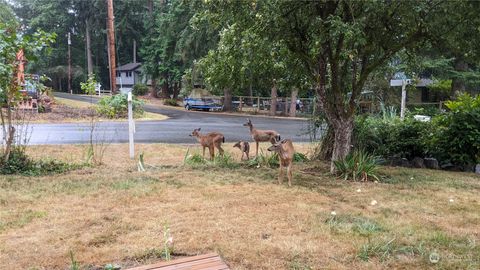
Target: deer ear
[
  {"x": 199, "y": 129},
  {"x": 283, "y": 141}
]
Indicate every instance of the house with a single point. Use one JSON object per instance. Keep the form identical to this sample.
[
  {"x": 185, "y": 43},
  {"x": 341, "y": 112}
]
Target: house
[{"x": 128, "y": 75}]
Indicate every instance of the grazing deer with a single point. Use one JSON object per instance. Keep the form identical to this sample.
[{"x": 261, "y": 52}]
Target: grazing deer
[
  {"x": 211, "y": 140},
  {"x": 244, "y": 147},
  {"x": 285, "y": 153},
  {"x": 262, "y": 135}
]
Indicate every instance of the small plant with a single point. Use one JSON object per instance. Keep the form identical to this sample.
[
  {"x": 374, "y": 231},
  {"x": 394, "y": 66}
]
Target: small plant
[
  {"x": 170, "y": 102},
  {"x": 74, "y": 265},
  {"x": 167, "y": 242},
  {"x": 300, "y": 157},
  {"x": 88, "y": 87},
  {"x": 195, "y": 159},
  {"x": 264, "y": 160},
  {"x": 117, "y": 106},
  {"x": 140, "y": 89},
  {"x": 358, "y": 166}
]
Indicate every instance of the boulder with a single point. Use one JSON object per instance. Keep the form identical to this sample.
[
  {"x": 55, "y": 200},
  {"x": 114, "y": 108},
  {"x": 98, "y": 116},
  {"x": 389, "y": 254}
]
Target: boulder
[
  {"x": 450, "y": 167},
  {"x": 431, "y": 163},
  {"x": 417, "y": 162},
  {"x": 400, "y": 162}
]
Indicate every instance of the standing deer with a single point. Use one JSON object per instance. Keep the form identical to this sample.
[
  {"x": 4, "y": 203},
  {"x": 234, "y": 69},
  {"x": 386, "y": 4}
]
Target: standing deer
[
  {"x": 211, "y": 140},
  {"x": 244, "y": 147},
  {"x": 262, "y": 135},
  {"x": 285, "y": 152}
]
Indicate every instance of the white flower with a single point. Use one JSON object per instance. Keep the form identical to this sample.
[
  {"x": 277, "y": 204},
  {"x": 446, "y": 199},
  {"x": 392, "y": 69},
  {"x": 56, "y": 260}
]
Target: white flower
[
  {"x": 373, "y": 202},
  {"x": 411, "y": 178},
  {"x": 359, "y": 190},
  {"x": 451, "y": 200},
  {"x": 258, "y": 166},
  {"x": 333, "y": 213}
]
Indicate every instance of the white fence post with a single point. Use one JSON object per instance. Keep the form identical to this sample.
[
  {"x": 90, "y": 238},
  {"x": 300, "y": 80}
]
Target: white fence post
[{"x": 131, "y": 126}]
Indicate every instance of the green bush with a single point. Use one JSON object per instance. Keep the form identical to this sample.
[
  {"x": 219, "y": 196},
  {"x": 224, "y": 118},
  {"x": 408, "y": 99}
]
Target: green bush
[
  {"x": 393, "y": 137},
  {"x": 456, "y": 138},
  {"x": 357, "y": 166},
  {"x": 20, "y": 163},
  {"x": 170, "y": 102},
  {"x": 117, "y": 106},
  {"x": 140, "y": 89}
]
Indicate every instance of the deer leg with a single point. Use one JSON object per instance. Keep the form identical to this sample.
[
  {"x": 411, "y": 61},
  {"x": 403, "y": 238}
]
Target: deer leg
[
  {"x": 220, "y": 149},
  {"x": 203, "y": 152},
  {"x": 211, "y": 149},
  {"x": 280, "y": 175},
  {"x": 246, "y": 153},
  {"x": 289, "y": 174},
  {"x": 256, "y": 151}
]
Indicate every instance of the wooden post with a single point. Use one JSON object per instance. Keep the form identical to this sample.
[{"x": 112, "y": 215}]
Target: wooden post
[
  {"x": 240, "y": 106},
  {"x": 258, "y": 104},
  {"x": 131, "y": 127},
  {"x": 111, "y": 46},
  {"x": 404, "y": 99}
]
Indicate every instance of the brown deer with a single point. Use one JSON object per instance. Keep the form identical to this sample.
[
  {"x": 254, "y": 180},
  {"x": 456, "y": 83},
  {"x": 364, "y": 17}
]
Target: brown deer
[
  {"x": 262, "y": 135},
  {"x": 244, "y": 147},
  {"x": 285, "y": 152},
  {"x": 211, "y": 140}
]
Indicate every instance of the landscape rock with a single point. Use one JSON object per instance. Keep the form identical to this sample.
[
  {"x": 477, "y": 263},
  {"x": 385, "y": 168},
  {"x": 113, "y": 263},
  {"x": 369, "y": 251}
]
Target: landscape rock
[
  {"x": 417, "y": 162},
  {"x": 477, "y": 169},
  {"x": 400, "y": 162},
  {"x": 431, "y": 163},
  {"x": 450, "y": 167}
]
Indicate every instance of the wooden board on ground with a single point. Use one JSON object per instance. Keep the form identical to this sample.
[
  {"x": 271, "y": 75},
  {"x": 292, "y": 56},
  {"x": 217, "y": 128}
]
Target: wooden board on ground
[{"x": 211, "y": 261}]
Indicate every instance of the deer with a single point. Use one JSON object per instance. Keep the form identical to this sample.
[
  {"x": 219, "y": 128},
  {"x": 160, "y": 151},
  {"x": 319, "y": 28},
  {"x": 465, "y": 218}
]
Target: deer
[
  {"x": 285, "y": 152},
  {"x": 244, "y": 147},
  {"x": 262, "y": 135},
  {"x": 212, "y": 140}
]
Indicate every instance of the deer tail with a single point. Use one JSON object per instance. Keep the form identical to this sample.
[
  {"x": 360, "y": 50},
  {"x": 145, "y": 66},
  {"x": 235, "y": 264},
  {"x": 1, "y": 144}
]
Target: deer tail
[{"x": 223, "y": 139}]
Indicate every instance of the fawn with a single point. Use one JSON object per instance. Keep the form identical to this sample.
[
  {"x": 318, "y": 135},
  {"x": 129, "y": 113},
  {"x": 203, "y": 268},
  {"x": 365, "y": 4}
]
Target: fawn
[
  {"x": 211, "y": 140},
  {"x": 262, "y": 135},
  {"x": 244, "y": 147},
  {"x": 285, "y": 153}
]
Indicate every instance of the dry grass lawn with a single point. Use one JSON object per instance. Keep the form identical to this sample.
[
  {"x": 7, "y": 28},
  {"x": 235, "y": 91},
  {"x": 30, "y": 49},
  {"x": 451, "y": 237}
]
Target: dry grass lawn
[{"x": 115, "y": 214}]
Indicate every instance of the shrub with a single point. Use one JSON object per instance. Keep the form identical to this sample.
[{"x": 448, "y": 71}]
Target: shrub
[
  {"x": 170, "y": 102},
  {"x": 456, "y": 138},
  {"x": 117, "y": 106},
  {"x": 140, "y": 89},
  {"x": 357, "y": 166},
  {"x": 391, "y": 137},
  {"x": 20, "y": 163},
  {"x": 264, "y": 160}
]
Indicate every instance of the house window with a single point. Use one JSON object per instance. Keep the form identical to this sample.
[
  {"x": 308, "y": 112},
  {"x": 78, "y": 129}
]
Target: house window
[
  {"x": 129, "y": 74},
  {"x": 118, "y": 73}
]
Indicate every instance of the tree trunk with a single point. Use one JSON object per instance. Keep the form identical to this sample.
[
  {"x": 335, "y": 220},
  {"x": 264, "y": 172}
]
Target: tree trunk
[
  {"x": 227, "y": 99},
  {"x": 273, "y": 103},
  {"x": 458, "y": 84},
  {"x": 293, "y": 103},
  {"x": 111, "y": 47},
  {"x": 343, "y": 129},
  {"x": 153, "y": 89},
  {"x": 164, "y": 91},
  {"x": 89, "y": 49}
]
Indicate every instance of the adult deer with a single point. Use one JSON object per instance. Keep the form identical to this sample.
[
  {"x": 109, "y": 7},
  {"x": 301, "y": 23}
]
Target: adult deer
[
  {"x": 211, "y": 140},
  {"x": 262, "y": 135},
  {"x": 285, "y": 152}
]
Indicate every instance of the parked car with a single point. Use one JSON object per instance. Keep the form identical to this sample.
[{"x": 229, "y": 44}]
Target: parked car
[{"x": 201, "y": 99}]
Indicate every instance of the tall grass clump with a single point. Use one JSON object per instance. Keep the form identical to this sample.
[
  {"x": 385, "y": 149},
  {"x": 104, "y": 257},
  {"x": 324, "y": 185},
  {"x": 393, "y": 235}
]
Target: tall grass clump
[{"x": 357, "y": 166}]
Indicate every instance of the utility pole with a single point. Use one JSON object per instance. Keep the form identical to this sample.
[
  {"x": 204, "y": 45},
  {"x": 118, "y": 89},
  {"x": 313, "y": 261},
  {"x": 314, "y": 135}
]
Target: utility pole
[
  {"x": 111, "y": 46},
  {"x": 134, "y": 51},
  {"x": 69, "y": 65}
]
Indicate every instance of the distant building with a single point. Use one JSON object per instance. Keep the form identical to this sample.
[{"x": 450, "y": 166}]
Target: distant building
[{"x": 130, "y": 74}]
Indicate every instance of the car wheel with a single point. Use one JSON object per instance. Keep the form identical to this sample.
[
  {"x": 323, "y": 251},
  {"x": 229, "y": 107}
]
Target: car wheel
[{"x": 187, "y": 107}]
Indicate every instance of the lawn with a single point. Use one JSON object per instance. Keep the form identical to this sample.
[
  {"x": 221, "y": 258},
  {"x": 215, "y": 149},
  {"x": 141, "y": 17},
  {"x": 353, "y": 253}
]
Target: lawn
[{"x": 114, "y": 214}]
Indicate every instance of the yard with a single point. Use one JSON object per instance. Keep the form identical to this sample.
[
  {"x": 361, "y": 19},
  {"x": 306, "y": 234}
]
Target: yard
[{"x": 412, "y": 218}]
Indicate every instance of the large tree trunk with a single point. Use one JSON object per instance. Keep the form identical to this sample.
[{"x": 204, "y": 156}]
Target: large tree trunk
[
  {"x": 227, "y": 99},
  {"x": 153, "y": 88},
  {"x": 89, "y": 49},
  {"x": 293, "y": 103},
  {"x": 164, "y": 91},
  {"x": 343, "y": 129},
  {"x": 273, "y": 103},
  {"x": 458, "y": 84}
]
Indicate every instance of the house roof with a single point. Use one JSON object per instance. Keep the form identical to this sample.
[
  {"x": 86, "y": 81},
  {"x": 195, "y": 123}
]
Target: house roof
[{"x": 129, "y": 67}]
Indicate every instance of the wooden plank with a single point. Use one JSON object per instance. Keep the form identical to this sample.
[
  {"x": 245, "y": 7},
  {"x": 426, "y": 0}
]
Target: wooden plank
[{"x": 207, "y": 261}]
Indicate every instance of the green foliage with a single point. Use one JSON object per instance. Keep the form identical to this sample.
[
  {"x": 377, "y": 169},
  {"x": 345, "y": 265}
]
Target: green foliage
[
  {"x": 140, "y": 89},
  {"x": 300, "y": 157},
  {"x": 117, "y": 106},
  {"x": 170, "y": 102},
  {"x": 393, "y": 137},
  {"x": 225, "y": 161},
  {"x": 353, "y": 224},
  {"x": 88, "y": 87},
  {"x": 357, "y": 166},
  {"x": 264, "y": 160},
  {"x": 74, "y": 265},
  {"x": 456, "y": 136},
  {"x": 20, "y": 163}
]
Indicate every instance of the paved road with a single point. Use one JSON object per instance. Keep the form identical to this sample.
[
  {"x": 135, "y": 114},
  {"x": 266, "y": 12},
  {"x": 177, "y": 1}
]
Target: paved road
[{"x": 175, "y": 129}]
